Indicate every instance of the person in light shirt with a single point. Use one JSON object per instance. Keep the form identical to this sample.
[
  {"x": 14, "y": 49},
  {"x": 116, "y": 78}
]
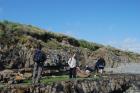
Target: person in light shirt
[{"x": 72, "y": 64}]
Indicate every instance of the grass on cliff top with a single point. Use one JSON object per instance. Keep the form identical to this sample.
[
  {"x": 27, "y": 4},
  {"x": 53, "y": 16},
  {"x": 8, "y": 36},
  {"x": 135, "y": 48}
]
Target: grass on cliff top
[
  {"x": 49, "y": 79},
  {"x": 52, "y": 79},
  {"x": 22, "y": 32},
  {"x": 8, "y": 29}
]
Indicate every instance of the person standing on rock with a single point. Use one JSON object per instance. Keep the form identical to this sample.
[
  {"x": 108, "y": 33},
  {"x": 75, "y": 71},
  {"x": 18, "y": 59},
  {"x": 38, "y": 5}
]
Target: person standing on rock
[
  {"x": 100, "y": 64},
  {"x": 39, "y": 59},
  {"x": 72, "y": 64}
]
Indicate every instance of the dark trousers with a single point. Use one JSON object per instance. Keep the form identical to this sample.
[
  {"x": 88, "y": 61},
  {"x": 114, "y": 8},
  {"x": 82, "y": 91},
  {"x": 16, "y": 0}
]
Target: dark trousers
[
  {"x": 36, "y": 73},
  {"x": 72, "y": 73}
]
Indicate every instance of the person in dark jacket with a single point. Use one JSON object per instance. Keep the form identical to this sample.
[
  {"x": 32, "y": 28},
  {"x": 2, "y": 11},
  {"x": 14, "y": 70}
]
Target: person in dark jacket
[
  {"x": 39, "y": 59},
  {"x": 100, "y": 64}
]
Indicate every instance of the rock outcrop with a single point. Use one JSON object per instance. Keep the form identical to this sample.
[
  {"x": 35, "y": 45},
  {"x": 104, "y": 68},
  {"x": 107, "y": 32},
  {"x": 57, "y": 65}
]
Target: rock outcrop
[
  {"x": 107, "y": 84},
  {"x": 17, "y": 43}
]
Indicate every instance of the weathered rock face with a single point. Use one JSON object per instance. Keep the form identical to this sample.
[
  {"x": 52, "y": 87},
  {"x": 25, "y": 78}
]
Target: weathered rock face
[
  {"x": 125, "y": 68},
  {"x": 6, "y": 75},
  {"x": 110, "y": 84},
  {"x": 15, "y": 57},
  {"x": 17, "y": 44},
  {"x": 22, "y": 57}
]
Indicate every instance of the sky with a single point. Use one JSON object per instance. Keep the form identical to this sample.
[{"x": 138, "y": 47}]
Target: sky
[{"x": 108, "y": 22}]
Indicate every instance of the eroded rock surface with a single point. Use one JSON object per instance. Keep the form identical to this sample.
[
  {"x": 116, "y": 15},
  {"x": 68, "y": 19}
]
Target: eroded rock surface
[{"x": 105, "y": 84}]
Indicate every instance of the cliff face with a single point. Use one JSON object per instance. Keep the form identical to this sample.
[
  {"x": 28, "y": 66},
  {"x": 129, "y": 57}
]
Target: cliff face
[
  {"x": 108, "y": 84},
  {"x": 17, "y": 43}
]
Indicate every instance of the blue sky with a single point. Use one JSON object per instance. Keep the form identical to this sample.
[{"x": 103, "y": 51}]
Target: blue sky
[{"x": 109, "y": 22}]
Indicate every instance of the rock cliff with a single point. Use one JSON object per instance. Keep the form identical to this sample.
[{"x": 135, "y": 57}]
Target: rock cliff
[
  {"x": 115, "y": 83},
  {"x": 17, "y": 43}
]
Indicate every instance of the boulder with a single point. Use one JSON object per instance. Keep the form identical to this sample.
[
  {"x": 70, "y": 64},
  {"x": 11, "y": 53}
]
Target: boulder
[{"x": 27, "y": 75}]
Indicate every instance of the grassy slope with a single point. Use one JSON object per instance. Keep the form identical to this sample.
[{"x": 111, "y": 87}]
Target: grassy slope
[{"x": 23, "y": 33}]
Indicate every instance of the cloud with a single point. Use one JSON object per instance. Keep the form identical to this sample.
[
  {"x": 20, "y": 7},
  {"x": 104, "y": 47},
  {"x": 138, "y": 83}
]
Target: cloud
[
  {"x": 131, "y": 44},
  {"x": 128, "y": 44},
  {"x": 69, "y": 33}
]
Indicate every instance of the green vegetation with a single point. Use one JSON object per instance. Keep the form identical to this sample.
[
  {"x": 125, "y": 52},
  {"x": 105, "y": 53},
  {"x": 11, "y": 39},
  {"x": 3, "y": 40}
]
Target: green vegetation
[
  {"x": 1, "y": 33},
  {"x": 53, "y": 44},
  {"x": 89, "y": 45},
  {"x": 49, "y": 79},
  {"x": 19, "y": 30},
  {"x": 2, "y": 86},
  {"x": 52, "y": 79},
  {"x": 13, "y": 32}
]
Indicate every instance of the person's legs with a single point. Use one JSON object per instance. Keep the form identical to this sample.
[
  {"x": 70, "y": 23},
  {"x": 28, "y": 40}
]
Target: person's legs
[
  {"x": 101, "y": 70},
  {"x": 74, "y": 72},
  {"x": 34, "y": 73},
  {"x": 70, "y": 72},
  {"x": 96, "y": 69},
  {"x": 38, "y": 73}
]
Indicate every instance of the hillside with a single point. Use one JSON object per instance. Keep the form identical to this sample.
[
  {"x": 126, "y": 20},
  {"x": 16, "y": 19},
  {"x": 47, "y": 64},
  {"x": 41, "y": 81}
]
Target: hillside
[{"x": 17, "y": 43}]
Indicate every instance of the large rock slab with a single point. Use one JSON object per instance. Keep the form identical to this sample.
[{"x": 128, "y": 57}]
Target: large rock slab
[{"x": 115, "y": 83}]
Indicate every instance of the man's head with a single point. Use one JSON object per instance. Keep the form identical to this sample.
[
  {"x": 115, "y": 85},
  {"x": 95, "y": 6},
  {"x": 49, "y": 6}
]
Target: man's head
[{"x": 100, "y": 56}]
